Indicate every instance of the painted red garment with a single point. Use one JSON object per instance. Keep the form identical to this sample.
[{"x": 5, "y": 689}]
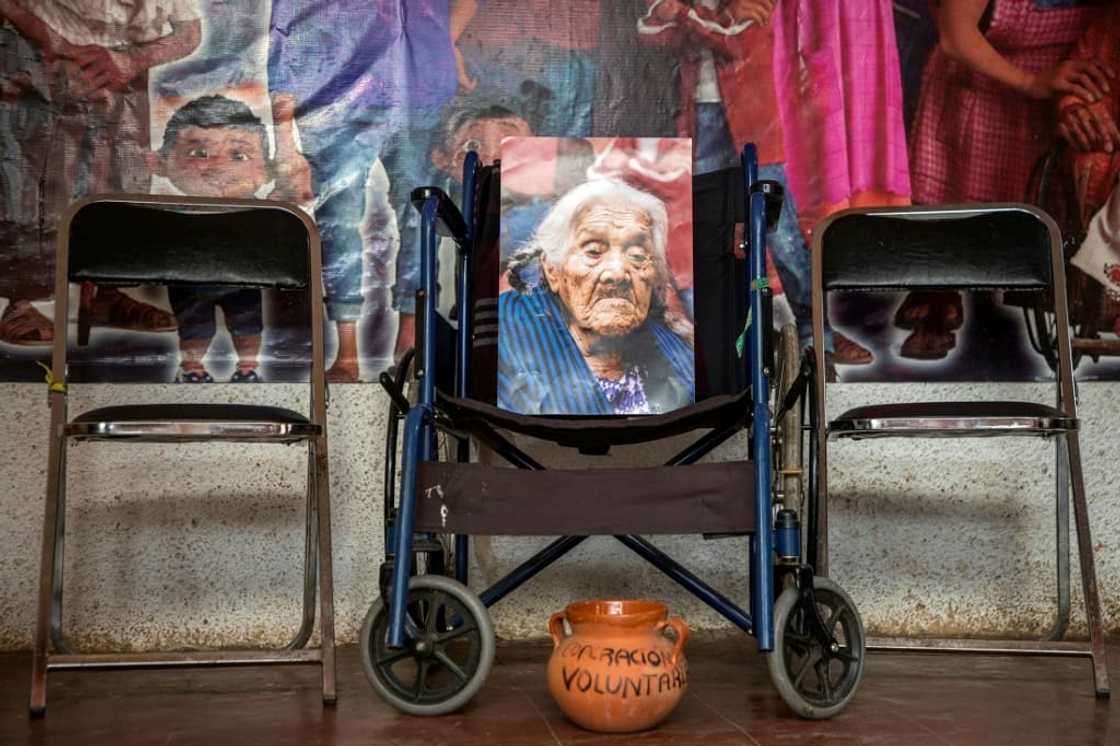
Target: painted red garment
[
  {"x": 976, "y": 140},
  {"x": 836, "y": 70},
  {"x": 571, "y": 24},
  {"x": 666, "y": 174},
  {"x": 1096, "y": 173},
  {"x": 744, "y": 60}
]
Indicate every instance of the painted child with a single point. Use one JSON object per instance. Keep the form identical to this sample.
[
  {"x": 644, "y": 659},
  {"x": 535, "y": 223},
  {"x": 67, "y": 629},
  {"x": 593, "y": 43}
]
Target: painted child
[{"x": 215, "y": 146}]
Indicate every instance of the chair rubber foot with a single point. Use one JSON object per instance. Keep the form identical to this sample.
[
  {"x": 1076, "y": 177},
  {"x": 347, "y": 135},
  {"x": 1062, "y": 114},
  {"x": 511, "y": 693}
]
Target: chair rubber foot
[
  {"x": 37, "y": 712},
  {"x": 333, "y": 699},
  {"x": 1104, "y": 693}
]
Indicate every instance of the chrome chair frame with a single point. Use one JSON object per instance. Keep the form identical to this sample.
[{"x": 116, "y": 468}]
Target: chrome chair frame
[
  {"x": 1068, "y": 456},
  {"x": 317, "y": 540}
]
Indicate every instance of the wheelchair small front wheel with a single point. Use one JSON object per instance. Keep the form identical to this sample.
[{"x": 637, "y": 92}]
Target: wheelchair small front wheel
[
  {"x": 815, "y": 681},
  {"x": 448, "y": 655}
]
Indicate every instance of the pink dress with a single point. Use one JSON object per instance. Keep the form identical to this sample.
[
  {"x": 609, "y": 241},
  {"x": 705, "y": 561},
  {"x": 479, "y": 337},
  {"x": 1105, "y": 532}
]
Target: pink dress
[
  {"x": 836, "y": 71},
  {"x": 974, "y": 139}
]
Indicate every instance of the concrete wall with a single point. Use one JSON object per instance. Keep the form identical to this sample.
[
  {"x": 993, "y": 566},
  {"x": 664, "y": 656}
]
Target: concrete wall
[{"x": 194, "y": 546}]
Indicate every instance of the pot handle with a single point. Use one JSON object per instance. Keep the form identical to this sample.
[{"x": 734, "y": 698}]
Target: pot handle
[
  {"x": 678, "y": 626},
  {"x": 556, "y": 628}
]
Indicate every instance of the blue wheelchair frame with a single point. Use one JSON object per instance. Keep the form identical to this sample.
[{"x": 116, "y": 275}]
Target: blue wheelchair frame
[
  {"x": 420, "y": 432},
  {"x": 785, "y": 600}
]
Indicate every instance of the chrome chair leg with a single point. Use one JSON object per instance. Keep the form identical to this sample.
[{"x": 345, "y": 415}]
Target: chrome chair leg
[
  {"x": 58, "y": 640},
  {"x": 1088, "y": 568},
  {"x": 310, "y": 558},
  {"x": 1062, "y": 548},
  {"x": 326, "y": 582},
  {"x": 48, "y": 566}
]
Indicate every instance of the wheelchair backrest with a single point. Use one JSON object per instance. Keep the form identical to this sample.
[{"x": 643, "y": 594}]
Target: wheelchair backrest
[{"x": 720, "y": 277}]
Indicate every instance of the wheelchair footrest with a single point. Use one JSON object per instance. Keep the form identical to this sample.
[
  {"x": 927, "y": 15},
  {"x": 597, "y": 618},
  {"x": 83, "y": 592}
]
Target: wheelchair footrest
[{"x": 481, "y": 499}]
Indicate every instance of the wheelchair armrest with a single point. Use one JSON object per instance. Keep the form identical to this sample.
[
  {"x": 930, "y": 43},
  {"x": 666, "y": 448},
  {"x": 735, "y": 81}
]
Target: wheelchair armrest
[
  {"x": 774, "y": 195},
  {"x": 450, "y": 220}
]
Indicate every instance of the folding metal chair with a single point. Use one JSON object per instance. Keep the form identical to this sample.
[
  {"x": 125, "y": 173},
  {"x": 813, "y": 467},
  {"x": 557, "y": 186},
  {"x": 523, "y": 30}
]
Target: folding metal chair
[
  {"x": 135, "y": 239},
  {"x": 1010, "y": 247}
]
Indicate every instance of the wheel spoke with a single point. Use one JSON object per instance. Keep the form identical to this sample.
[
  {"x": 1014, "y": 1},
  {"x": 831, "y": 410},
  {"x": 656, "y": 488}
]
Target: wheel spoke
[
  {"x": 822, "y": 676},
  {"x": 801, "y": 671},
  {"x": 433, "y": 612},
  {"x": 845, "y": 654},
  {"x": 455, "y": 633},
  {"x": 451, "y": 665},
  {"x": 421, "y": 675},
  {"x": 411, "y": 627},
  {"x": 833, "y": 617},
  {"x": 394, "y": 656}
]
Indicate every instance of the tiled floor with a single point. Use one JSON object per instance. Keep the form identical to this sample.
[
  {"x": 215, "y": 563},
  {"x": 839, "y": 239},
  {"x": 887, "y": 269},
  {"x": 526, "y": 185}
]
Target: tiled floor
[{"x": 913, "y": 700}]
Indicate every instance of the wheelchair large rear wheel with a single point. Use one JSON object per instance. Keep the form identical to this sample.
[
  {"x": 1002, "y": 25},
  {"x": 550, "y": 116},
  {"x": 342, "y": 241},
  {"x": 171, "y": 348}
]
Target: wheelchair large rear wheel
[
  {"x": 449, "y": 653},
  {"x": 816, "y": 680}
]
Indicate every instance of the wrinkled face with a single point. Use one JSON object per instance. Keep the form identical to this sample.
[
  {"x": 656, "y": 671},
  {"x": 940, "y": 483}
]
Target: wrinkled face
[
  {"x": 608, "y": 275},
  {"x": 485, "y": 138},
  {"x": 217, "y": 162}
]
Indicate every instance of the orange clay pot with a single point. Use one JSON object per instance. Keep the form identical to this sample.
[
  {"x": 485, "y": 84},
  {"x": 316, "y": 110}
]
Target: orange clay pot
[{"x": 617, "y": 672}]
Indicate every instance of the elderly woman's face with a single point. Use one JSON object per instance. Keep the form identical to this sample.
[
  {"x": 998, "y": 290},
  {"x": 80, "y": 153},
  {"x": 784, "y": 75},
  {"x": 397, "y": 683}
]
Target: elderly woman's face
[{"x": 607, "y": 276}]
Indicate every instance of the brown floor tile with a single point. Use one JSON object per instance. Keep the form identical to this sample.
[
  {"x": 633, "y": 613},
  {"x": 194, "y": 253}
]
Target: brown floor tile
[{"x": 914, "y": 700}]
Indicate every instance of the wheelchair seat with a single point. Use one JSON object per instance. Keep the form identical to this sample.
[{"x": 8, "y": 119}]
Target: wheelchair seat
[
  {"x": 597, "y": 433},
  {"x": 954, "y": 419},
  {"x": 185, "y": 422}
]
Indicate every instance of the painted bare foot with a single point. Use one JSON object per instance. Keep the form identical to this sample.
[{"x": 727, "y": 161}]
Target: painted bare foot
[
  {"x": 943, "y": 308},
  {"x": 344, "y": 370},
  {"x": 849, "y": 352},
  {"x": 928, "y": 343},
  {"x": 112, "y": 308},
  {"x": 22, "y": 325}
]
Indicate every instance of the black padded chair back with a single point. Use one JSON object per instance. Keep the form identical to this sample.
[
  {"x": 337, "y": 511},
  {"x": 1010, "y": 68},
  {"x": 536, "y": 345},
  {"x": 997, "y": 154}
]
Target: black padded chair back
[
  {"x": 997, "y": 246},
  {"x": 719, "y": 282},
  {"x": 127, "y": 243}
]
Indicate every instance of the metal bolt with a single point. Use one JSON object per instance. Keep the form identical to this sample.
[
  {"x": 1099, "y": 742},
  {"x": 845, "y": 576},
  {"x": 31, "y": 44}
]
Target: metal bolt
[{"x": 834, "y": 647}]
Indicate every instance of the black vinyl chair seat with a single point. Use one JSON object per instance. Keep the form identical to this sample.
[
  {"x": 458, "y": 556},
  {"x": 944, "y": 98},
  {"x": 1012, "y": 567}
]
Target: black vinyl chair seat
[
  {"x": 951, "y": 419},
  {"x": 181, "y": 422}
]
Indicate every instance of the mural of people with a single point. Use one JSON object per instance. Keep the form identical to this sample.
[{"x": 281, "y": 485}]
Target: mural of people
[
  {"x": 375, "y": 97},
  {"x": 369, "y": 81},
  {"x": 1090, "y": 128},
  {"x": 89, "y": 62},
  {"x": 727, "y": 48},
  {"x": 985, "y": 118}
]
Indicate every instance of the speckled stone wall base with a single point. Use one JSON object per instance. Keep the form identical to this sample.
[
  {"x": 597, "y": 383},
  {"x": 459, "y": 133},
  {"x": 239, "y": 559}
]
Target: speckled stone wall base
[{"x": 172, "y": 546}]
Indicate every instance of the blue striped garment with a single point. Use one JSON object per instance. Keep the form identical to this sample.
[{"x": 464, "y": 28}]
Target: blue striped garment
[{"x": 541, "y": 370}]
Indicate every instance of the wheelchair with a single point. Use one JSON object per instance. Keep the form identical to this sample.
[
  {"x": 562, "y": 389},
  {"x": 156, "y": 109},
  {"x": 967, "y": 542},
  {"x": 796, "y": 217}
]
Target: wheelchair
[
  {"x": 1054, "y": 188},
  {"x": 428, "y": 644}
]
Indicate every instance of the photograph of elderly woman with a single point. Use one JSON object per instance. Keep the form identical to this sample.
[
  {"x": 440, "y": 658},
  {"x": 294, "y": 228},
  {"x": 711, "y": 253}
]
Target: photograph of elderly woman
[{"x": 595, "y": 314}]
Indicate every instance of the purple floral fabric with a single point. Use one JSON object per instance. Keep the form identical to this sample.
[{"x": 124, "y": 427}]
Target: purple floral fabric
[{"x": 626, "y": 395}]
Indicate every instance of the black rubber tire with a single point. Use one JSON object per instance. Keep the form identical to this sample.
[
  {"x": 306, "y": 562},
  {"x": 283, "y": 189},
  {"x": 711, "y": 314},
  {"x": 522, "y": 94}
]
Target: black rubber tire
[
  {"x": 780, "y": 660},
  {"x": 474, "y": 670}
]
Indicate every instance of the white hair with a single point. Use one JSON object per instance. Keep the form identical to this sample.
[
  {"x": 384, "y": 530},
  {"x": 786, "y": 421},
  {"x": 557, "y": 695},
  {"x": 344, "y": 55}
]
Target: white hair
[
  {"x": 552, "y": 241},
  {"x": 552, "y": 238}
]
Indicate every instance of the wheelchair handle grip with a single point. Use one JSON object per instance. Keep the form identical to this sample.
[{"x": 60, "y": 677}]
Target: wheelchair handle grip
[
  {"x": 677, "y": 625},
  {"x": 394, "y": 393}
]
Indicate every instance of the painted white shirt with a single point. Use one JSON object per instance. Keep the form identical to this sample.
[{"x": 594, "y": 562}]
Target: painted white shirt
[
  {"x": 113, "y": 23},
  {"x": 707, "y": 84}
]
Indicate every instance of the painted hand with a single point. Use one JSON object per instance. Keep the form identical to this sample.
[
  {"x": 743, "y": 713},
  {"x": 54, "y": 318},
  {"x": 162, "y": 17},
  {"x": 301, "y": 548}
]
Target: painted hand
[
  {"x": 1089, "y": 127},
  {"x": 293, "y": 172},
  {"x": 104, "y": 69},
  {"x": 1088, "y": 80}
]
